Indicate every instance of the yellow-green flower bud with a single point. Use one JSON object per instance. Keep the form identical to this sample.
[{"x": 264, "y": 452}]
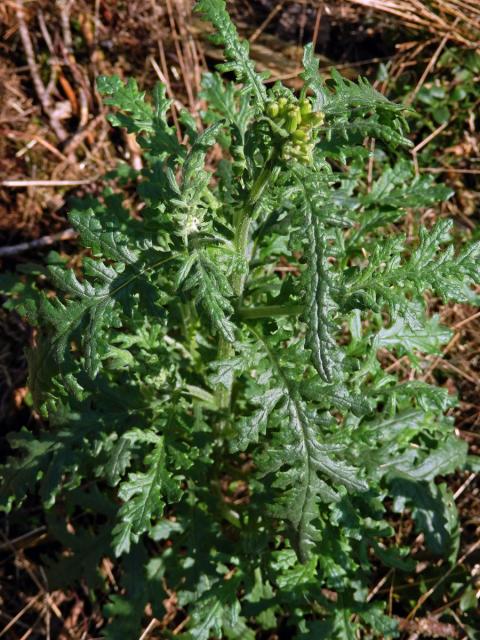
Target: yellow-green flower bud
[
  {"x": 300, "y": 134},
  {"x": 291, "y": 124},
  {"x": 282, "y": 103},
  {"x": 305, "y": 107},
  {"x": 272, "y": 109},
  {"x": 314, "y": 119},
  {"x": 319, "y": 118}
]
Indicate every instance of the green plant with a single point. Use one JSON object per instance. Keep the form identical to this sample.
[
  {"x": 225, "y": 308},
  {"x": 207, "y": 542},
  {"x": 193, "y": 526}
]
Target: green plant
[
  {"x": 225, "y": 430},
  {"x": 445, "y": 105}
]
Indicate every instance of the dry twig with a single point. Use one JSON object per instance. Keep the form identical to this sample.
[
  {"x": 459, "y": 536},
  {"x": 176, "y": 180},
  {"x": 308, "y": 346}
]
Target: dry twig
[
  {"x": 45, "y": 241},
  {"x": 40, "y": 89}
]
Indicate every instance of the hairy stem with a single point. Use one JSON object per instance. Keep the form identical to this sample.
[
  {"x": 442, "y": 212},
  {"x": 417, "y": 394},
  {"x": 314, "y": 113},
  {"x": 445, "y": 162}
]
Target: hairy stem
[
  {"x": 241, "y": 242},
  {"x": 268, "y": 311},
  {"x": 242, "y": 228},
  {"x": 223, "y": 395}
]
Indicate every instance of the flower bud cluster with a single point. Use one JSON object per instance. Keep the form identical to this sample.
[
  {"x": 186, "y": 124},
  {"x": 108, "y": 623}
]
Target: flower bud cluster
[{"x": 295, "y": 122}]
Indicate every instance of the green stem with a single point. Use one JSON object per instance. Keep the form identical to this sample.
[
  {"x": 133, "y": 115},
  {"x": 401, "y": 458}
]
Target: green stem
[
  {"x": 241, "y": 244},
  {"x": 261, "y": 182},
  {"x": 211, "y": 199},
  {"x": 242, "y": 234},
  {"x": 225, "y": 349},
  {"x": 242, "y": 229},
  {"x": 268, "y": 311},
  {"x": 223, "y": 395}
]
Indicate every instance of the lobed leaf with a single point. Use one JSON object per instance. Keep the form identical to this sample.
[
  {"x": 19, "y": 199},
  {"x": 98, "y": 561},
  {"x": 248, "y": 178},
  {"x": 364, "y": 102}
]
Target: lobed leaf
[{"x": 236, "y": 50}]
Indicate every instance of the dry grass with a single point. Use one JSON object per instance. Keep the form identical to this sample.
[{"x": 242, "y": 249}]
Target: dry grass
[{"x": 459, "y": 20}]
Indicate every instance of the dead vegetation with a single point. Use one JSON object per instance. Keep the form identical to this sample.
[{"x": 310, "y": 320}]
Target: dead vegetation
[
  {"x": 55, "y": 143},
  {"x": 459, "y": 20}
]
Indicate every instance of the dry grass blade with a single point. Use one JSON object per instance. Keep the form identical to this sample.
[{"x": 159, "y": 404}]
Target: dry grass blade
[
  {"x": 421, "y": 601},
  {"x": 457, "y": 19},
  {"x": 42, "y": 93},
  {"x": 153, "y": 624},
  {"x": 430, "y": 66},
  {"x": 449, "y": 170},
  {"x": 278, "y": 7},
  {"x": 19, "y": 615},
  {"x": 46, "y": 183}
]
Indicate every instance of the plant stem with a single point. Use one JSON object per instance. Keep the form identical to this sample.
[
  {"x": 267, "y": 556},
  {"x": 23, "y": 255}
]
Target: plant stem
[
  {"x": 225, "y": 349},
  {"x": 241, "y": 247},
  {"x": 223, "y": 395},
  {"x": 241, "y": 244},
  {"x": 242, "y": 229},
  {"x": 268, "y": 311}
]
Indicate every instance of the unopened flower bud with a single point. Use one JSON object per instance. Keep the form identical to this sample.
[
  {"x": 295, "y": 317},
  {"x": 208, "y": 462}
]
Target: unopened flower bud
[
  {"x": 272, "y": 109},
  {"x": 305, "y": 107},
  {"x": 300, "y": 134},
  {"x": 319, "y": 118},
  {"x": 292, "y": 123}
]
